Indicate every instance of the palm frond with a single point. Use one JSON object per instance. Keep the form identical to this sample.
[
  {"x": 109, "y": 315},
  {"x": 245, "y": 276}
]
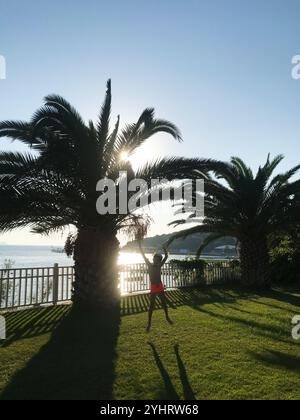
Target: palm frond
[
  {"x": 108, "y": 158},
  {"x": 210, "y": 238},
  {"x": 242, "y": 167},
  {"x": 175, "y": 167},
  {"x": 134, "y": 135},
  {"x": 104, "y": 118},
  {"x": 64, "y": 108},
  {"x": 19, "y": 130}
]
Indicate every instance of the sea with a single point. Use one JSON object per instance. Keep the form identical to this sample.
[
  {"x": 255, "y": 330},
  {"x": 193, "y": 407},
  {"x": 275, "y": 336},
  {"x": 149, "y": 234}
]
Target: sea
[{"x": 27, "y": 256}]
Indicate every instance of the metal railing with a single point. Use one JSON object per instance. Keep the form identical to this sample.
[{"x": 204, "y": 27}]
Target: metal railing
[
  {"x": 35, "y": 286},
  {"x": 134, "y": 278},
  {"x": 21, "y": 287}
]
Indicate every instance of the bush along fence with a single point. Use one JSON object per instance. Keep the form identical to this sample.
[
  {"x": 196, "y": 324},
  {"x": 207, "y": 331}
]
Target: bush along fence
[{"x": 21, "y": 287}]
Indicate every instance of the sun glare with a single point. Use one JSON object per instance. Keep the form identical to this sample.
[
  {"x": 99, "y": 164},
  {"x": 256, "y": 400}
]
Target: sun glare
[{"x": 124, "y": 156}]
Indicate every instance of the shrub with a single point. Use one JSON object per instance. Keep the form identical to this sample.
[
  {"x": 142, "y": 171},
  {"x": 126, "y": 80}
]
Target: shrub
[
  {"x": 285, "y": 261},
  {"x": 190, "y": 264},
  {"x": 191, "y": 270}
]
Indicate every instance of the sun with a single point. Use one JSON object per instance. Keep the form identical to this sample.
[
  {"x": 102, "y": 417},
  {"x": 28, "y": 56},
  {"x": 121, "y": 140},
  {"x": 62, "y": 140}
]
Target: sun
[{"x": 124, "y": 156}]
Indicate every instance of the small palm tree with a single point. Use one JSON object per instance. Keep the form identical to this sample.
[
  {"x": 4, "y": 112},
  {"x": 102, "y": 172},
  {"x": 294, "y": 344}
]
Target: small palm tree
[
  {"x": 54, "y": 186},
  {"x": 250, "y": 208}
]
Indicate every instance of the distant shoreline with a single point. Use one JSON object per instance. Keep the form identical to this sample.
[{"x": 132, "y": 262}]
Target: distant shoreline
[
  {"x": 38, "y": 246},
  {"x": 181, "y": 254}
]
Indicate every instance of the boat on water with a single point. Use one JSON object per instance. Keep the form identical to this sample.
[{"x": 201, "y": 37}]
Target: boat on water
[{"x": 57, "y": 250}]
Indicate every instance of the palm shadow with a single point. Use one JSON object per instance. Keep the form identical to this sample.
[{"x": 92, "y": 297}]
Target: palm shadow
[
  {"x": 193, "y": 297},
  {"x": 33, "y": 322},
  {"x": 78, "y": 362},
  {"x": 265, "y": 330},
  {"x": 279, "y": 360},
  {"x": 281, "y": 296},
  {"x": 170, "y": 391},
  {"x": 284, "y": 297}
]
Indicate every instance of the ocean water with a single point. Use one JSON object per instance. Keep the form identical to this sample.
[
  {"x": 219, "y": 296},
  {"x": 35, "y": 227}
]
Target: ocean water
[
  {"x": 43, "y": 256},
  {"x": 32, "y": 256}
]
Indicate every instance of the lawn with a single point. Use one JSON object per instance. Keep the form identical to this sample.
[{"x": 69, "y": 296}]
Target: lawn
[{"x": 224, "y": 344}]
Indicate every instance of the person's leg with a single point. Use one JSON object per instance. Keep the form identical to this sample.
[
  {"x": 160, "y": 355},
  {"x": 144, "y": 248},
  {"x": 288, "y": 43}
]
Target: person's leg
[
  {"x": 151, "y": 309},
  {"x": 163, "y": 300}
]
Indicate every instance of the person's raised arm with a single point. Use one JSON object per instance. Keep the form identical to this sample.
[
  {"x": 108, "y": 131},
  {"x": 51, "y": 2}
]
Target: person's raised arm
[
  {"x": 143, "y": 253},
  {"x": 166, "y": 256}
]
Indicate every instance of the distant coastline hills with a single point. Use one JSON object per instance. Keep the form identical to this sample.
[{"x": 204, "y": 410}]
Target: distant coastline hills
[{"x": 225, "y": 246}]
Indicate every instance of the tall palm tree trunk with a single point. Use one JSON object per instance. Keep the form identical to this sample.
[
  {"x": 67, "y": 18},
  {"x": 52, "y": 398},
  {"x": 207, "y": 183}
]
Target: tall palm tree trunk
[
  {"x": 255, "y": 263},
  {"x": 96, "y": 275}
]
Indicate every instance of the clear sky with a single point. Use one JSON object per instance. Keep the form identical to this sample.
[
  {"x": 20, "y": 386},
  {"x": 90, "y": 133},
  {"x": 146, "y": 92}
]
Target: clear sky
[{"x": 221, "y": 70}]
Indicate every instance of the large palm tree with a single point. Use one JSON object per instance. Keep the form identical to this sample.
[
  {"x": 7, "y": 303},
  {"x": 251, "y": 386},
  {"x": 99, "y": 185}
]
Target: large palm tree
[
  {"x": 53, "y": 185},
  {"x": 248, "y": 207}
]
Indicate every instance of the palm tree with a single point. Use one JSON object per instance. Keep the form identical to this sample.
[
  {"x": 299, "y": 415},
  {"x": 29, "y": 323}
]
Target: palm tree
[
  {"x": 250, "y": 208},
  {"x": 53, "y": 185}
]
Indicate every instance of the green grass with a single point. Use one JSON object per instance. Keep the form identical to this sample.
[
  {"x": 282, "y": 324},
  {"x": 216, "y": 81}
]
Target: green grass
[{"x": 224, "y": 344}]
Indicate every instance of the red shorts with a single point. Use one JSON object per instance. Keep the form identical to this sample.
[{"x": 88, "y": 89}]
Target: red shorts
[{"x": 157, "y": 288}]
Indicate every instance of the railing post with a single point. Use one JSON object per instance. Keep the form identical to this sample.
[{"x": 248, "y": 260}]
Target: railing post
[{"x": 55, "y": 284}]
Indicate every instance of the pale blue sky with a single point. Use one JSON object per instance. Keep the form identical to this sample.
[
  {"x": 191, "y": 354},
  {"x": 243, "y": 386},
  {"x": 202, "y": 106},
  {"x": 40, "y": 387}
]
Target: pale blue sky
[{"x": 221, "y": 70}]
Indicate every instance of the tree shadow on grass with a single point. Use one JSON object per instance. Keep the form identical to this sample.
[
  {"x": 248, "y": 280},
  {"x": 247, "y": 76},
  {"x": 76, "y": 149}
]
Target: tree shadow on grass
[
  {"x": 78, "y": 362},
  {"x": 279, "y": 296},
  {"x": 279, "y": 360},
  {"x": 33, "y": 322},
  {"x": 170, "y": 391},
  {"x": 284, "y": 296},
  {"x": 264, "y": 330},
  {"x": 133, "y": 304}
]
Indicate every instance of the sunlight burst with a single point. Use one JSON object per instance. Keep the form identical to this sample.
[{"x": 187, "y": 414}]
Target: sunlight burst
[{"x": 124, "y": 156}]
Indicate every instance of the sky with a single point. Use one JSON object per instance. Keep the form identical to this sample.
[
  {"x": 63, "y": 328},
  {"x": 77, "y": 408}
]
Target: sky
[{"x": 221, "y": 70}]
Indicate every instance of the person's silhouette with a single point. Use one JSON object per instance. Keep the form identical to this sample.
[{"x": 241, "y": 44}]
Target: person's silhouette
[
  {"x": 187, "y": 389},
  {"x": 157, "y": 287}
]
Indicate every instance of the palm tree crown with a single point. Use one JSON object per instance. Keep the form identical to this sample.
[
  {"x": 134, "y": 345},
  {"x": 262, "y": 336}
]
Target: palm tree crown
[
  {"x": 249, "y": 207},
  {"x": 56, "y": 186},
  {"x": 53, "y": 185}
]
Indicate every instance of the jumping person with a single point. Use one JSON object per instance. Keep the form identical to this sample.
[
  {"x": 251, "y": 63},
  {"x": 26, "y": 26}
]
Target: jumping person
[{"x": 157, "y": 288}]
